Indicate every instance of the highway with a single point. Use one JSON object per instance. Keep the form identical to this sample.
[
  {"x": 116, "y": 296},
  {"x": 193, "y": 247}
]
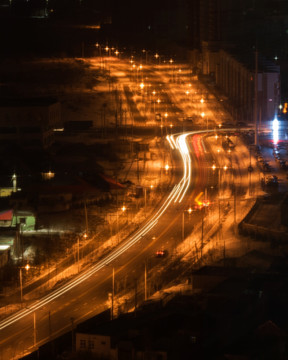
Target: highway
[
  {"x": 89, "y": 293},
  {"x": 65, "y": 303}
]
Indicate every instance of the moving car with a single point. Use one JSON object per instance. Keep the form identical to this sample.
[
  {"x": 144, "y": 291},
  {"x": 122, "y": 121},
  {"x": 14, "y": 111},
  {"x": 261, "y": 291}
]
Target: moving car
[{"x": 160, "y": 253}]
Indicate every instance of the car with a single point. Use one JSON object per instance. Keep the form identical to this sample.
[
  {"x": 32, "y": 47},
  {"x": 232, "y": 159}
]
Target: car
[{"x": 160, "y": 253}]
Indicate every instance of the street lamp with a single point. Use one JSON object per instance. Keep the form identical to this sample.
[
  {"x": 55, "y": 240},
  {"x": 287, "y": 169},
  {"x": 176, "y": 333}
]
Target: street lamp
[
  {"x": 146, "y": 55},
  {"x": 139, "y": 68},
  {"x": 26, "y": 267},
  {"x": 189, "y": 211},
  {"x": 157, "y": 56},
  {"x": 166, "y": 116}
]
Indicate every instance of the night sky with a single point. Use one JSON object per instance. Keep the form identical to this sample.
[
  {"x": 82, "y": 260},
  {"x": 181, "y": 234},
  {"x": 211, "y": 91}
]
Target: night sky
[{"x": 43, "y": 28}]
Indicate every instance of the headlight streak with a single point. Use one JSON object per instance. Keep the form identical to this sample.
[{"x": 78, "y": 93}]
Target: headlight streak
[
  {"x": 173, "y": 141},
  {"x": 170, "y": 142},
  {"x": 176, "y": 192},
  {"x": 186, "y": 179}
]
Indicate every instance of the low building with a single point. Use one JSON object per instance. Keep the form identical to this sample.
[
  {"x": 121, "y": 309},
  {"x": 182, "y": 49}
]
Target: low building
[
  {"x": 30, "y": 122},
  {"x": 98, "y": 345},
  {"x": 14, "y": 218}
]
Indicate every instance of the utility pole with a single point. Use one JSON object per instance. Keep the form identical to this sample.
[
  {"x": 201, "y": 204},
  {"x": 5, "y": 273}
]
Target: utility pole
[
  {"x": 113, "y": 293},
  {"x": 256, "y": 98},
  {"x": 202, "y": 231},
  {"x": 183, "y": 224},
  {"x": 72, "y": 334},
  {"x": 78, "y": 253},
  {"x": 135, "y": 298},
  {"x": 21, "y": 286},
  {"x": 145, "y": 281},
  {"x": 145, "y": 200},
  {"x": 34, "y": 328},
  {"x": 86, "y": 216}
]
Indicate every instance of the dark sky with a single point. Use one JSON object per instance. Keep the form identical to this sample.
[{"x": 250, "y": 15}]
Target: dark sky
[{"x": 166, "y": 23}]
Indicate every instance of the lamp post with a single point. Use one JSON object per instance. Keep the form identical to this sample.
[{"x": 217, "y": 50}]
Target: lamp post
[
  {"x": 145, "y": 282},
  {"x": 189, "y": 211},
  {"x": 98, "y": 46},
  {"x": 139, "y": 68},
  {"x": 157, "y": 57},
  {"x": 144, "y": 51},
  {"x": 224, "y": 168},
  {"x": 113, "y": 294},
  {"x": 26, "y": 267},
  {"x": 165, "y": 123}
]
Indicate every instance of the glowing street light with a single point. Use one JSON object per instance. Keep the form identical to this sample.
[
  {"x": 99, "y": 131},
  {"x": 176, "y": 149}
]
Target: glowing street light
[{"x": 26, "y": 267}]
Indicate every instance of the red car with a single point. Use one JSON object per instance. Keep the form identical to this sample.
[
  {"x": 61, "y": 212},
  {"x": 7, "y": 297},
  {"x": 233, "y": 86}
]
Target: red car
[{"x": 161, "y": 253}]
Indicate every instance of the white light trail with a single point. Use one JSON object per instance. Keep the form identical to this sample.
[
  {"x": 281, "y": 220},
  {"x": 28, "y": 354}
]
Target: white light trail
[
  {"x": 179, "y": 189},
  {"x": 177, "y": 192}
]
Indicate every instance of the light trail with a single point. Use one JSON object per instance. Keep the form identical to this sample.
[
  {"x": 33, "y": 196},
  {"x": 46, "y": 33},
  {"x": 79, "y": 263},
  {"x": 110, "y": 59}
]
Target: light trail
[
  {"x": 177, "y": 194},
  {"x": 178, "y": 190}
]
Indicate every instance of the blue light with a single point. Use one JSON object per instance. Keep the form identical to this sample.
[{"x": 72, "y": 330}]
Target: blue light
[{"x": 275, "y": 131}]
